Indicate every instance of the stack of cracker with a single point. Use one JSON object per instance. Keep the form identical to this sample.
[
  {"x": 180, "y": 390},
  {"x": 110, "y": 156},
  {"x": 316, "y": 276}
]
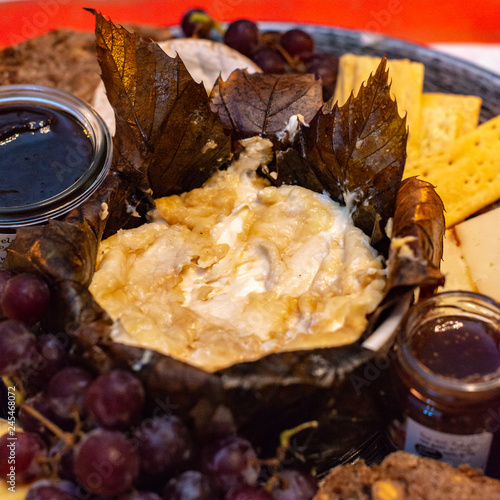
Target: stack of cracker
[{"x": 445, "y": 146}]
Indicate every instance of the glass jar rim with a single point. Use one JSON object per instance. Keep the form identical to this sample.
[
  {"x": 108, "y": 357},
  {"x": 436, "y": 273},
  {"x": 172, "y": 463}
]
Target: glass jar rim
[
  {"x": 100, "y": 139},
  {"x": 462, "y": 303}
]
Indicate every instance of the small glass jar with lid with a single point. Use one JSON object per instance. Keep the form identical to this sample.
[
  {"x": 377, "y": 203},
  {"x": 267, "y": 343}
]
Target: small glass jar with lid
[
  {"x": 448, "y": 376},
  {"x": 55, "y": 151}
]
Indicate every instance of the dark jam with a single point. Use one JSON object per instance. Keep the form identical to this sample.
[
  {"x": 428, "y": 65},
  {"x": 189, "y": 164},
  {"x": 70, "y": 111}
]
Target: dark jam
[
  {"x": 458, "y": 347},
  {"x": 43, "y": 152},
  {"x": 448, "y": 380}
]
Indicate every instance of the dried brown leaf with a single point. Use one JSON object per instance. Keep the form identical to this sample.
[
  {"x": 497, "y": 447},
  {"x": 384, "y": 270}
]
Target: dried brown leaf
[
  {"x": 164, "y": 125},
  {"x": 262, "y": 104},
  {"x": 356, "y": 153},
  {"x": 417, "y": 236}
]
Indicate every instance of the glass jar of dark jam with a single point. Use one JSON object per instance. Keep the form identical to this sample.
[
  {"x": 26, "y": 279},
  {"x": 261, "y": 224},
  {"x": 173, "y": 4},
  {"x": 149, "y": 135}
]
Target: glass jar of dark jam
[
  {"x": 448, "y": 372},
  {"x": 55, "y": 151}
]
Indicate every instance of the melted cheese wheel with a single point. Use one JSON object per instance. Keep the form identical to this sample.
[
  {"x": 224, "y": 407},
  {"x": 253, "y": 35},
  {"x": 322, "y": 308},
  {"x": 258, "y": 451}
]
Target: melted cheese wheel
[{"x": 238, "y": 269}]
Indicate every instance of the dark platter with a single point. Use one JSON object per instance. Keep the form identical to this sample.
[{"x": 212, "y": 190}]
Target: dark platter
[
  {"x": 443, "y": 73},
  {"x": 249, "y": 384}
]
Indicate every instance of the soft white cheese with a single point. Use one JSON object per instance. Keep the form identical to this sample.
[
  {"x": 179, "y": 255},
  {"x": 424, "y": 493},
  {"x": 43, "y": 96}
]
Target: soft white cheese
[{"x": 238, "y": 269}]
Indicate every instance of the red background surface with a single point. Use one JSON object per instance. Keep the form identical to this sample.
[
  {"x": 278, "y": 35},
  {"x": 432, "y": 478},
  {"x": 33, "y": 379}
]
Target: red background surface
[{"x": 419, "y": 21}]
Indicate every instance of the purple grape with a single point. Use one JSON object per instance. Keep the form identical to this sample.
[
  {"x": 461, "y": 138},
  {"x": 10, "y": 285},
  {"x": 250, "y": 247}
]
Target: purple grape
[
  {"x": 105, "y": 462},
  {"x": 17, "y": 346},
  {"x": 231, "y": 462},
  {"x": 324, "y": 66},
  {"x": 164, "y": 444},
  {"x": 66, "y": 393},
  {"x": 140, "y": 495},
  {"x": 27, "y": 449},
  {"x": 200, "y": 27},
  {"x": 53, "y": 352},
  {"x": 242, "y": 35},
  {"x": 45, "y": 489},
  {"x": 248, "y": 493},
  {"x": 46, "y": 492},
  {"x": 269, "y": 60},
  {"x": 294, "y": 485},
  {"x": 4, "y": 277},
  {"x": 29, "y": 422},
  {"x": 25, "y": 297},
  {"x": 298, "y": 43},
  {"x": 221, "y": 424},
  {"x": 50, "y": 358},
  {"x": 116, "y": 399},
  {"x": 65, "y": 460},
  {"x": 190, "y": 485}
]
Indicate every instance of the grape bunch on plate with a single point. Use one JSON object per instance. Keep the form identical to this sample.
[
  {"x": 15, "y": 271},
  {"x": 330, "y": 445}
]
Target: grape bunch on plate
[
  {"x": 274, "y": 52},
  {"x": 98, "y": 436}
]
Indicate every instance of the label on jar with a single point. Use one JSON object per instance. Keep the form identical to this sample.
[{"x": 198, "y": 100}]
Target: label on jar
[
  {"x": 455, "y": 449},
  {"x": 5, "y": 241}
]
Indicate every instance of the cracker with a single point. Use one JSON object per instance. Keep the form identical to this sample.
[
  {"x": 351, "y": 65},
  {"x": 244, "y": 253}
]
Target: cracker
[
  {"x": 467, "y": 174},
  {"x": 407, "y": 82},
  {"x": 444, "y": 118}
]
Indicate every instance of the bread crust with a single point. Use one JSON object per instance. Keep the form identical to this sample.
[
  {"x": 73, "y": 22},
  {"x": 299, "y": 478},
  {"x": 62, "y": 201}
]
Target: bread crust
[{"x": 402, "y": 476}]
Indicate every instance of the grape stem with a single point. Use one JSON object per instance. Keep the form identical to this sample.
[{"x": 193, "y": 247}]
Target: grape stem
[
  {"x": 288, "y": 434},
  {"x": 294, "y": 62},
  {"x": 284, "y": 446},
  {"x": 200, "y": 18},
  {"x": 67, "y": 437},
  {"x": 18, "y": 384}
]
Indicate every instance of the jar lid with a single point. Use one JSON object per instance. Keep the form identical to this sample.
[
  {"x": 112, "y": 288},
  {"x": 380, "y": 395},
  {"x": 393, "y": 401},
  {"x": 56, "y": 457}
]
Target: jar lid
[
  {"x": 449, "y": 344},
  {"x": 55, "y": 151}
]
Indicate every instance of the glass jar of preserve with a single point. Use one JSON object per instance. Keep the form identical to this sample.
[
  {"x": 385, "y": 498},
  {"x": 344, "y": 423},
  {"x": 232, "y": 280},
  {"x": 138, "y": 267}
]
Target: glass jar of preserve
[
  {"x": 55, "y": 151},
  {"x": 448, "y": 375}
]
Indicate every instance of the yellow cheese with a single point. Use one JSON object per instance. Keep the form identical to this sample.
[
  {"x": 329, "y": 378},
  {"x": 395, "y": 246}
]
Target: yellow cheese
[
  {"x": 471, "y": 255},
  {"x": 407, "y": 79},
  {"x": 454, "y": 266},
  {"x": 479, "y": 239}
]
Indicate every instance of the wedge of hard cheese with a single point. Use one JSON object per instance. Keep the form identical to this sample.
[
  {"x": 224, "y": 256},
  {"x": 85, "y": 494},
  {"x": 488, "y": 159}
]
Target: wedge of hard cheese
[{"x": 471, "y": 258}]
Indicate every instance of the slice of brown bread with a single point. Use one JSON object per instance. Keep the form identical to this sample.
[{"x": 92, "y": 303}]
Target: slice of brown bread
[
  {"x": 62, "y": 59},
  {"x": 402, "y": 476}
]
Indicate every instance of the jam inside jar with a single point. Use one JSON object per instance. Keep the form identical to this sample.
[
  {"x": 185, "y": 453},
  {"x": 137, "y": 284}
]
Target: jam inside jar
[
  {"x": 55, "y": 152},
  {"x": 43, "y": 152},
  {"x": 448, "y": 377}
]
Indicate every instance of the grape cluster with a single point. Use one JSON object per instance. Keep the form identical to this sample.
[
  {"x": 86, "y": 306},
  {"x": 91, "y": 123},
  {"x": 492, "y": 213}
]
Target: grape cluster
[
  {"x": 98, "y": 433},
  {"x": 276, "y": 53}
]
